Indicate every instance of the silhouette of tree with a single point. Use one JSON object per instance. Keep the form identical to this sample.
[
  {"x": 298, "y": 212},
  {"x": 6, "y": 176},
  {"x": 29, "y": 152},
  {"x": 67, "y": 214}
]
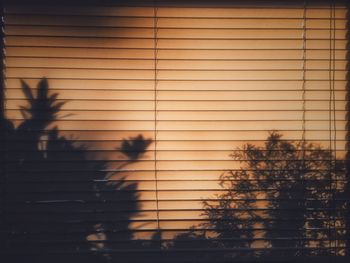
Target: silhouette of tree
[
  {"x": 284, "y": 198},
  {"x": 61, "y": 203}
]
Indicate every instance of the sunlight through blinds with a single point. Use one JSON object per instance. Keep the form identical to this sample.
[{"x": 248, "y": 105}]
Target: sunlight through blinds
[{"x": 176, "y": 130}]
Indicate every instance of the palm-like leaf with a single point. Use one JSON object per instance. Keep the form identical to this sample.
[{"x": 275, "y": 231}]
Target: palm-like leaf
[
  {"x": 27, "y": 91},
  {"x": 135, "y": 147},
  {"x": 42, "y": 109}
]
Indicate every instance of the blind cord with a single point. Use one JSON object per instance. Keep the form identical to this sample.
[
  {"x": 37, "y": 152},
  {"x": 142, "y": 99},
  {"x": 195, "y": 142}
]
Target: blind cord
[
  {"x": 302, "y": 243},
  {"x": 155, "y": 41},
  {"x": 332, "y": 132},
  {"x": 330, "y": 126},
  {"x": 334, "y": 126},
  {"x": 304, "y": 80}
]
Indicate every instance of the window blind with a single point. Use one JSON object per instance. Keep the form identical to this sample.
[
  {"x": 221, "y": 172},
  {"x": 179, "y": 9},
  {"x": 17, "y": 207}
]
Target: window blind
[{"x": 175, "y": 131}]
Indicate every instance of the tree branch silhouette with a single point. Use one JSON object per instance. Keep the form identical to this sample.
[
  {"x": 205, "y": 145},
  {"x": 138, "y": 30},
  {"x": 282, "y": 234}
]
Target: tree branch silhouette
[
  {"x": 282, "y": 202},
  {"x": 60, "y": 203}
]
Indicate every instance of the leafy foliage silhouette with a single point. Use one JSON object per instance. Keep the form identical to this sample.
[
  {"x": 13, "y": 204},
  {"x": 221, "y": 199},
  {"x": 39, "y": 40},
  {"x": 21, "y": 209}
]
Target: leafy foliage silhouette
[
  {"x": 61, "y": 204},
  {"x": 285, "y": 199},
  {"x": 58, "y": 198}
]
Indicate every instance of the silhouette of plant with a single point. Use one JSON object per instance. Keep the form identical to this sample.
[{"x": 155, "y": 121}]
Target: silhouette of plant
[
  {"x": 61, "y": 203},
  {"x": 284, "y": 198},
  {"x": 135, "y": 147}
]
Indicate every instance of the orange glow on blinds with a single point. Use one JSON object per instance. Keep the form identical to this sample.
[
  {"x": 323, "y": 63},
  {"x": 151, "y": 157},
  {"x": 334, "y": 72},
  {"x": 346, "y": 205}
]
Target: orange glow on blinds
[{"x": 225, "y": 77}]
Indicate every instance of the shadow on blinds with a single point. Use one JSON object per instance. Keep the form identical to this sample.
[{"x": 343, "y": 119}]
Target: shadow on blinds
[
  {"x": 230, "y": 187},
  {"x": 60, "y": 200},
  {"x": 285, "y": 200}
]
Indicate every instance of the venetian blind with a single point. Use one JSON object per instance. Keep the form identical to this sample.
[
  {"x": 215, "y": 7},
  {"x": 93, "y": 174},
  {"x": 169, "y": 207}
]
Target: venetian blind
[{"x": 175, "y": 131}]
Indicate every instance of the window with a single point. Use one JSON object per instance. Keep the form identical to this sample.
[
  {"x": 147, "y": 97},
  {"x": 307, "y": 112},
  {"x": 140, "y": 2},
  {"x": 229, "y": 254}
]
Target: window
[{"x": 175, "y": 131}]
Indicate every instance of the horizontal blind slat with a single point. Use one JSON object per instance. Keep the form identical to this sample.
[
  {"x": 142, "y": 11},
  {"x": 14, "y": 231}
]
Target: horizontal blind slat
[{"x": 214, "y": 79}]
